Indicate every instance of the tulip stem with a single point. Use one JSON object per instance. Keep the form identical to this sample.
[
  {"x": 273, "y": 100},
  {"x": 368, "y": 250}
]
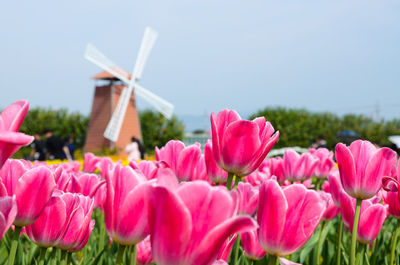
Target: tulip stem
[
  {"x": 64, "y": 257},
  {"x": 42, "y": 255},
  {"x": 102, "y": 236},
  {"x": 272, "y": 260},
  {"x": 229, "y": 181},
  {"x": 318, "y": 251},
  {"x": 394, "y": 243},
  {"x": 133, "y": 255},
  {"x": 339, "y": 244},
  {"x": 354, "y": 233},
  {"x": 120, "y": 255},
  {"x": 360, "y": 254},
  {"x": 14, "y": 245},
  {"x": 237, "y": 247}
]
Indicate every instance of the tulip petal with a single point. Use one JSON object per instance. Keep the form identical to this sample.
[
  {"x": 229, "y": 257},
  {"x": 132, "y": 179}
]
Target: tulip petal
[
  {"x": 208, "y": 206},
  {"x": 207, "y": 251},
  {"x": 48, "y": 227},
  {"x": 170, "y": 226},
  {"x": 271, "y": 216},
  {"x": 371, "y": 221},
  {"x": 132, "y": 219},
  {"x": 31, "y": 201},
  {"x": 240, "y": 143},
  {"x": 378, "y": 166},
  {"x": 347, "y": 169},
  {"x": 283, "y": 261},
  {"x": 304, "y": 214},
  {"x": 13, "y": 116}
]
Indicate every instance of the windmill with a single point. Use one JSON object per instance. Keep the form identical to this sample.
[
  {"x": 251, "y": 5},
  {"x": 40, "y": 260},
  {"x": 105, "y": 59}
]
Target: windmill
[{"x": 130, "y": 88}]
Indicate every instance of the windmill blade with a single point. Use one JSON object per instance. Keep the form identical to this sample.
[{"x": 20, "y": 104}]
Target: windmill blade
[
  {"x": 93, "y": 55},
  {"x": 163, "y": 106},
  {"x": 114, "y": 125},
  {"x": 149, "y": 38}
]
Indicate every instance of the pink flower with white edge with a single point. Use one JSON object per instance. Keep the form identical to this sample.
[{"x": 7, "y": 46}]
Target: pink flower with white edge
[
  {"x": 189, "y": 225},
  {"x": 287, "y": 217},
  {"x": 19, "y": 181},
  {"x": 325, "y": 164},
  {"x": 362, "y": 167},
  {"x": 240, "y": 146},
  {"x": 372, "y": 217},
  {"x": 181, "y": 159},
  {"x": 10, "y": 139}
]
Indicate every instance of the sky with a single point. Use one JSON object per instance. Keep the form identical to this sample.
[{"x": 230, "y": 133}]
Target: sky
[{"x": 340, "y": 56}]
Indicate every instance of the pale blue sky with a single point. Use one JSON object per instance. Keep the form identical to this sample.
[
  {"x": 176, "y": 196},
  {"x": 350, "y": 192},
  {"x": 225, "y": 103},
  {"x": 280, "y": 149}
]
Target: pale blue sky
[{"x": 340, "y": 56}]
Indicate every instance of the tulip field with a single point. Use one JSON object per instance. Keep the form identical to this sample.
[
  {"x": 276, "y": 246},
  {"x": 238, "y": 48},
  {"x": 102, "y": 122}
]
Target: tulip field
[{"x": 225, "y": 203}]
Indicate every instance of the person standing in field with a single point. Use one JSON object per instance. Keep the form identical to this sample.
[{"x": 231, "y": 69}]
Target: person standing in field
[{"x": 134, "y": 149}]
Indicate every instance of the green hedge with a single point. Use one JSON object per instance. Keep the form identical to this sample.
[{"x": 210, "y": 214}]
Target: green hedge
[{"x": 299, "y": 127}]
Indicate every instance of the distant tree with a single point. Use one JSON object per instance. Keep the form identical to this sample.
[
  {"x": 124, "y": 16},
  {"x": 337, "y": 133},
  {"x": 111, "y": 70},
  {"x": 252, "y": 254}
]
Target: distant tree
[
  {"x": 60, "y": 121},
  {"x": 157, "y": 130}
]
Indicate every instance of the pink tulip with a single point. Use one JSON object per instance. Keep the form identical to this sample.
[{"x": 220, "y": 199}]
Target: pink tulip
[
  {"x": 182, "y": 160},
  {"x": 8, "y": 211},
  {"x": 63, "y": 221},
  {"x": 200, "y": 171},
  {"x": 80, "y": 225},
  {"x": 189, "y": 225},
  {"x": 125, "y": 208},
  {"x": 257, "y": 177},
  {"x": 148, "y": 168},
  {"x": 251, "y": 245},
  {"x": 214, "y": 172},
  {"x": 325, "y": 164},
  {"x": 247, "y": 198},
  {"x": 335, "y": 186},
  {"x": 143, "y": 254},
  {"x": 62, "y": 178},
  {"x": 240, "y": 146},
  {"x": 298, "y": 167},
  {"x": 372, "y": 216},
  {"x": 287, "y": 217},
  {"x": 331, "y": 210},
  {"x": 32, "y": 188},
  {"x": 10, "y": 139},
  {"x": 274, "y": 166},
  {"x": 226, "y": 249},
  {"x": 362, "y": 167},
  {"x": 390, "y": 194},
  {"x": 88, "y": 185},
  {"x": 90, "y": 162}
]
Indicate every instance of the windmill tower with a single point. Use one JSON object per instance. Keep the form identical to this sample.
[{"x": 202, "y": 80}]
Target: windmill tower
[{"x": 114, "y": 110}]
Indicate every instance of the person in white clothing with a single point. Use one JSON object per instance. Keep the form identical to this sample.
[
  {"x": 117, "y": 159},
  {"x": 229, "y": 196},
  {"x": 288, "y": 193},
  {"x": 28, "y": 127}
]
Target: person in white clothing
[{"x": 133, "y": 149}]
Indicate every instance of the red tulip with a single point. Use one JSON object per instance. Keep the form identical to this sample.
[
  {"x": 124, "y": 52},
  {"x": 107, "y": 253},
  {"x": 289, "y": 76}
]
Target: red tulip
[
  {"x": 362, "y": 167},
  {"x": 10, "y": 139},
  {"x": 19, "y": 181},
  {"x": 240, "y": 146},
  {"x": 125, "y": 208},
  {"x": 189, "y": 225},
  {"x": 8, "y": 211},
  {"x": 287, "y": 217},
  {"x": 182, "y": 160}
]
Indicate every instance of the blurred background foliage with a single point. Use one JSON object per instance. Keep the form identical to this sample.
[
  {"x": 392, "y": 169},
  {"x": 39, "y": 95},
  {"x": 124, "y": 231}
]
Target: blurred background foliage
[
  {"x": 299, "y": 127},
  {"x": 156, "y": 129}
]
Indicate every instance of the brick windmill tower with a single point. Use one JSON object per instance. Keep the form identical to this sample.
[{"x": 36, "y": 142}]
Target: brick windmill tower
[{"x": 114, "y": 110}]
